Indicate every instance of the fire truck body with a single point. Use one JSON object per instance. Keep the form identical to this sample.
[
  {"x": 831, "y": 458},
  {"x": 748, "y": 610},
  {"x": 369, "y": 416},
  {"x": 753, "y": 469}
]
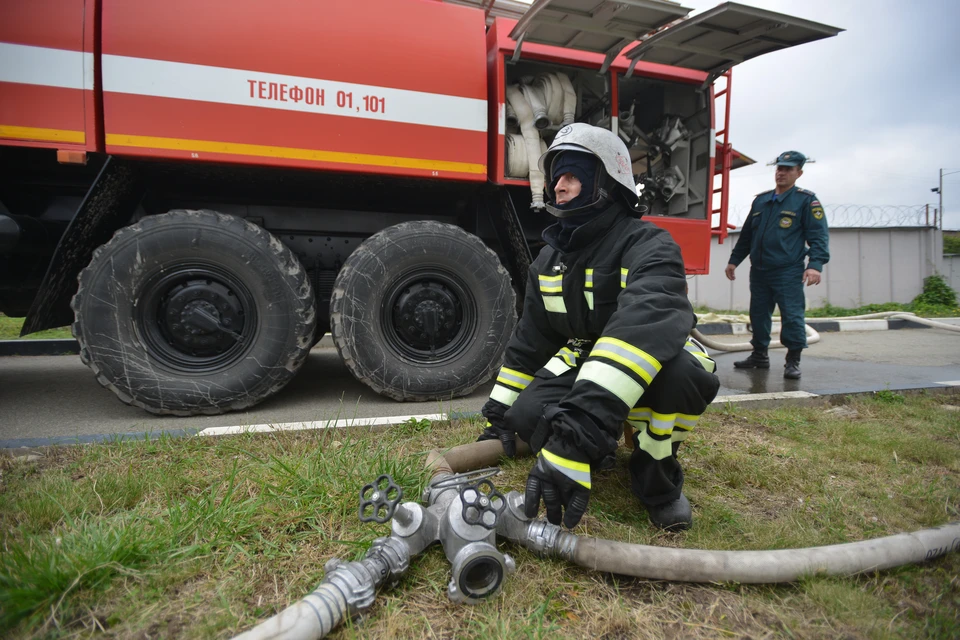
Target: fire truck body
[{"x": 359, "y": 175}]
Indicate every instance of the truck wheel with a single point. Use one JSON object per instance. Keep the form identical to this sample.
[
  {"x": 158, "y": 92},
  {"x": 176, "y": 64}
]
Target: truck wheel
[
  {"x": 193, "y": 312},
  {"x": 422, "y": 311}
]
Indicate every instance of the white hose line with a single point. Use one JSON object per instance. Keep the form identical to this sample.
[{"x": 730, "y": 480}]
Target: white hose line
[
  {"x": 511, "y": 117},
  {"x": 766, "y": 567},
  {"x": 532, "y": 139},
  {"x": 812, "y": 338},
  {"x": 899, "y": 315},
  {"x": 306, "y": 619},
  {"x": 698, "y": 565},
  {"x": 569, "y": 99},
  {"x": 548, "y": 86},
  {"x": 515, "y": 163},
  {"x": 535, "y": 98}
]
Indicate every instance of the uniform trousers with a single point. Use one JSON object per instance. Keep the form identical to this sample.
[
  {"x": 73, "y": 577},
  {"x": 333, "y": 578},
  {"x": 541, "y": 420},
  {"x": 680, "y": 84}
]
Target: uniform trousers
[
  {"x": 784, "y": 288},
  {"x": 662, "y": 419}
]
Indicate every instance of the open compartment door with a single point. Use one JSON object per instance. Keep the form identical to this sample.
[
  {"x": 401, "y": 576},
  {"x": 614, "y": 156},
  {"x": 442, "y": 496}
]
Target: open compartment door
[
  {"x": 599, "y": 26},
  {"x": 727, "y": 35}
]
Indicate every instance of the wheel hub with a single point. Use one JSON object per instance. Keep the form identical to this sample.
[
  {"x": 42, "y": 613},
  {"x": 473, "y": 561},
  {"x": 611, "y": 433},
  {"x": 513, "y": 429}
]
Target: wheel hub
[
  {"x": 427, "y": 315},
  {"x": 202, "y": 317}
]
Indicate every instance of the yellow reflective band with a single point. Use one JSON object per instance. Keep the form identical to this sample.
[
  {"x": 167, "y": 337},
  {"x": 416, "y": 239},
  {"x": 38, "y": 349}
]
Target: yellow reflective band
[
  {"x": 702, "y": 357},
  {"x": 507, "y": 371},
  {"x": 588, "y": 280},
  {"x": 643, "y": 413},
  {"x": 513, "y": 378},
  {"x": 551, "y": 284},
  {"x": 35, "y": 133},
  {"x": 662, "y": 423},
  {"x": 589, "y": 296},
  {"x": 613, "y": 380},
  {"x": 554, "y": 304},
  {"x": 658, "y": 449},
  {"x": 316, "y": 155},
  {"x": 638, "y": 361},
  {"x": 568, "y": 355},
  {"x": 503, "y": 395},
  {"x": 623, "y": 278},
  {"x": 579, "y": 472},
  {"x": 686, "y": 422}
]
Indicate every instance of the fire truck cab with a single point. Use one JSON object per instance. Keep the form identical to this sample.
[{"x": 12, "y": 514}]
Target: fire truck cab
[{"x": 203, "y": 190}]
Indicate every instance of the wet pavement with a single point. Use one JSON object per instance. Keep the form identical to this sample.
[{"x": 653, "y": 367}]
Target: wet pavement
[{"x": 851, "y": 362}]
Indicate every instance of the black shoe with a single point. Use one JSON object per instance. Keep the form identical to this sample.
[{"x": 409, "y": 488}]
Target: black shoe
[
  {"x": 608, "y": 461},
  {"x": 756, "y": 360},
  {"x": 791, "y": 370},
  {"x": 672, "y": 516}
]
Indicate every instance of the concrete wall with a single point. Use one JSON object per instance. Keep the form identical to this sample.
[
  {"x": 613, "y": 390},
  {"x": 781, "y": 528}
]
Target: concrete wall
[
  {"x": 951, "y": 271},
  {"x": 867, "y": 266}
]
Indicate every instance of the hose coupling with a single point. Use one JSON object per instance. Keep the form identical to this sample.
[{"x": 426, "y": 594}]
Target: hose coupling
[
  {"x": 477, "y": 572},
  {"x": 547, "y": 539}
]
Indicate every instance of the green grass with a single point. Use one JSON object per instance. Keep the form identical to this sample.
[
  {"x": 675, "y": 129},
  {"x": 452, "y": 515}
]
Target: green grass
[
  {"x": 10, "y": 330},
  {"x": 204, "y": 537}
]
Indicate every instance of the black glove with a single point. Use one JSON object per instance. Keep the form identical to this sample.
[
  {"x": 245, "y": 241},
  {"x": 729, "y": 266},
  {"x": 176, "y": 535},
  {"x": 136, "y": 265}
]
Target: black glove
[
  {"x": 506, "y": 437},
  {"x": 564, "y": 485},
  {"x": 494, "y": 412}
]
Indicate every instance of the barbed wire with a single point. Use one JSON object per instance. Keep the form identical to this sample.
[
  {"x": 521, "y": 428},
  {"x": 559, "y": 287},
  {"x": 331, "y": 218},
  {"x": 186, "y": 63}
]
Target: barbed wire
[{"x": 865, "y": 215}]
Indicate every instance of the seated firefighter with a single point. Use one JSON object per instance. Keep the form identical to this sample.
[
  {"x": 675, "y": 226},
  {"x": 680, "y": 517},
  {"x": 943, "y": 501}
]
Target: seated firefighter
[{"x": 603, "y": 339}]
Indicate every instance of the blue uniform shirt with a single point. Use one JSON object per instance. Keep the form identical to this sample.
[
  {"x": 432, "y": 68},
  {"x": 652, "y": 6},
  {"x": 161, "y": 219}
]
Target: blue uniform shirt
[{"x": 779, "y": 230}]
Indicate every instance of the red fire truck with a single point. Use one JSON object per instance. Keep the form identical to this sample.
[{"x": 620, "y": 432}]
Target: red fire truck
[{"x": 204, "y": 189}]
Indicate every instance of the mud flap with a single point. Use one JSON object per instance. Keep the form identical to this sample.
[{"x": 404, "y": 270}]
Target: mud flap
[
  {"x": 107, "y": 206},
  {"x": 509, "y": 232}
]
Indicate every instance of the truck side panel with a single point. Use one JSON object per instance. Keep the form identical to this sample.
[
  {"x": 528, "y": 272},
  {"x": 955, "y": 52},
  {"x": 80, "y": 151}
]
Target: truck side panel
[
  {"x": 47, "y": 57},
  {"x": 372, "y": 86}
]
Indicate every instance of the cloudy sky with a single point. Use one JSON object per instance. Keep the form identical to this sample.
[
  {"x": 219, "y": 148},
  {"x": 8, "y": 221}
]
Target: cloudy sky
[{"x": 878, "y": 106}]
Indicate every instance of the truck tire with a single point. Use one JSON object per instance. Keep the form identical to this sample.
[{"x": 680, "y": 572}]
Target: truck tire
[
  {"x": 193, "y": 312},
  {"x": 422, "y": 311}
]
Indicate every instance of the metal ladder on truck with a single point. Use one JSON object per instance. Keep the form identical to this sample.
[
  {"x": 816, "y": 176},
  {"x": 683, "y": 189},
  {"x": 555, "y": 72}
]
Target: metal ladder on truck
[{"x": 724, "y": 158}]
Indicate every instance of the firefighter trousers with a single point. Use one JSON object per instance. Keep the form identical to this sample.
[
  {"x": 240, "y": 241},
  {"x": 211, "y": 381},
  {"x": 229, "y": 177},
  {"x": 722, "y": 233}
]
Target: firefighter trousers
[
  {"x": 783, "y": 288},
  {"x": 663, "y": 418}
]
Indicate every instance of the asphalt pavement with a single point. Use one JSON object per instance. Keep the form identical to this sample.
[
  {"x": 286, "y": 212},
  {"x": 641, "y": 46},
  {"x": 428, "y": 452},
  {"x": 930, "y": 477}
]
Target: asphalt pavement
[{"x": 46, "y": 399}]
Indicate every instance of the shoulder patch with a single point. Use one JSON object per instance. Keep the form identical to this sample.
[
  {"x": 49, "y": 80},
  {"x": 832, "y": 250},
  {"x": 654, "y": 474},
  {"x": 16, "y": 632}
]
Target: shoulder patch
[{"x": 816, "y": 209}]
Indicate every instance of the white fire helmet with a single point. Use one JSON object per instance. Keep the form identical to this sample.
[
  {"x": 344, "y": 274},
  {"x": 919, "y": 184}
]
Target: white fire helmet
[{"x": 602, "y": 143}]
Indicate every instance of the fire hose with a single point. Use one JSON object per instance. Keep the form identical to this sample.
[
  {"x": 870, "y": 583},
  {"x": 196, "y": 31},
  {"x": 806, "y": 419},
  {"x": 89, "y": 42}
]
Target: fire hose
[
  {"x": 813, "y": 337},
  {"x": 549, "y": 100},
  {"x": 466, "y": 514}
]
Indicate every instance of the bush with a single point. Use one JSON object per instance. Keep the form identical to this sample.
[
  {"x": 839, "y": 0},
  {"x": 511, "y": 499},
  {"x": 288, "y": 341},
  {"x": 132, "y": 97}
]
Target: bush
[
  {"x": 951, "y": 244},
  {"x": 936, "y": 293}
]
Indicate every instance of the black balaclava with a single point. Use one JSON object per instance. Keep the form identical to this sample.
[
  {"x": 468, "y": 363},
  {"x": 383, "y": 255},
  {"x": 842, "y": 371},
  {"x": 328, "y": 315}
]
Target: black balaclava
[{"x": 586, "y": 167}]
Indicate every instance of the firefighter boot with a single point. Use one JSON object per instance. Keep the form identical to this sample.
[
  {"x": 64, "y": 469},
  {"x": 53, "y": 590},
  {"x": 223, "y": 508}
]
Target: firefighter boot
[
  {"x": 756, "y": 360},
  {"x": 672, "y": 516},
  {"x": 791, "y": 370}
]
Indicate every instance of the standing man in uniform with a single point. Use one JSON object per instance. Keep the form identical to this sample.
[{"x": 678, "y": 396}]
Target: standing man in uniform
[
  {"x": 782, "y": 224},
  {"x": 604, "y": 338}
]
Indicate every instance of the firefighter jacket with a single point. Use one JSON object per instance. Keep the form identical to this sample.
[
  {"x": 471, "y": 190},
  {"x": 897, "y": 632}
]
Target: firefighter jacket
[
  {"x": 779, "y": 228},
  {"x": 620, "y": 287}
]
